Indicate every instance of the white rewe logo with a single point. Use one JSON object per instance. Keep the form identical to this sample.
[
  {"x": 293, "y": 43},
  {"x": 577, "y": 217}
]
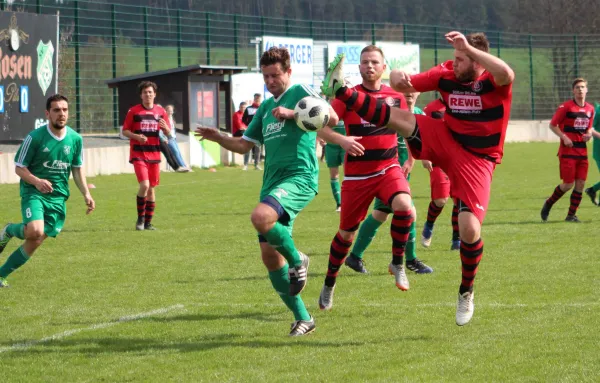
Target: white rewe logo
[
  {"x": 581, "y": 122},
  {"x": 462, "y": 102},
  {"x": 478, "y": 206}
]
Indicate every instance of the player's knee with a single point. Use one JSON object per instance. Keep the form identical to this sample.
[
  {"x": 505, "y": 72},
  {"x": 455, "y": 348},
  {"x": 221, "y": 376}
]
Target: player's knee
[
  {"x": 440, "y": 202},
  {"x": 380, "y": 215},
  {"x": 347, "y": 235},
  {"x": 34, "y": 233},
  {"x": 567, "y": 186},
  {"x": 470, "y": 234},
  {"x": 144, "y": 187},
  {"x": 262, "y": 219},
  {"x": 402, "y": 202},
  {"x": 579, "y": 184}
]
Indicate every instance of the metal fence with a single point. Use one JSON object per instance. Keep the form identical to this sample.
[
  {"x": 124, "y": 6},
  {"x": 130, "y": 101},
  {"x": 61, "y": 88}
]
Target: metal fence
[{"x": 100, "y": 40}]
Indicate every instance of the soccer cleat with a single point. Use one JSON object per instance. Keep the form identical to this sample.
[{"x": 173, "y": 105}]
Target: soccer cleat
[
  {"x": 455, "y": 245},
  {"x": 303, "y": 327},
  {"x": 245, "y": 167},
  {"x": 418, "y": 267},
  {"x": 334, "y": 79},
  {"x": 464, "y": 308},
  {"x": 400, "y": 275},
  {"x": 572, "y": 218},
  {"x": 545, "y": 212},
  {"x": 338, "y": 208},
  {"x": 426, "y": 235},
  {"x": 326, "y": 298},
  {"x": 4, "y": 237},
  {"x": 298, "y": 275},
  {"x": 139, "y": 225},
  {"x": 592, "y": 194},
  {"x": 3, "y": 283},
  {"x": 356, "y": 264},
  {"x": 149, "y": 226}
]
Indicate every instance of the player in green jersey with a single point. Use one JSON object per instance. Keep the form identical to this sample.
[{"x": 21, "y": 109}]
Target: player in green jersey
[
  {"x": 290, "y": 179},
  {"x": 368, "y": 229},
  {"x": 593, "y": 190},
  {"x": 334, "y": 157},
  {"x": 44, "y": 163}
]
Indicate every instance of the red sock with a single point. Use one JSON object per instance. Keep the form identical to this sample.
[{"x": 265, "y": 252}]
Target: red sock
[
  {"x": 575, "y": 201},
  {"x": 400, "y": 230},
  {"x": 455, "y": 236},
  {"x": 150, "y": 205},
  {"x": 141, "y": 206},
  {"x": 433, "y": 212},
  {"x": 555, "y": 196},
  {"x": 470, "y": 256},
  {"x": 337, "y": 253}
]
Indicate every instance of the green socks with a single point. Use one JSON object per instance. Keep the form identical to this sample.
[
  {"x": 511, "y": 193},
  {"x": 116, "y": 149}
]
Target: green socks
[
  {"x": 365, "y": 236},
  {"x": 280, "y": 239},
  {"x": 281, "y": 283},
  {"x": 14, "y": 261},
  {"x": 16, "y": 230},
  {"x": 335, "y": 189},
  {"x": 410, "y": 254}
]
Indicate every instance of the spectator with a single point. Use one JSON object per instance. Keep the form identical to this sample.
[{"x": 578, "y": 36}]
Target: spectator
[
  {"x": 172, "y": 142},
  {"x": 246, "y": 119},
  {"x": 239, "y": 128}
]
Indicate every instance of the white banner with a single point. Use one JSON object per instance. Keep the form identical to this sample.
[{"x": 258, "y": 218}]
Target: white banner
[
  {"x": 352, "y": 50},
  {"x": 244, "y": 86},
  {"x": 400, "y": 56},
  {"x": 301, "y": 54}
]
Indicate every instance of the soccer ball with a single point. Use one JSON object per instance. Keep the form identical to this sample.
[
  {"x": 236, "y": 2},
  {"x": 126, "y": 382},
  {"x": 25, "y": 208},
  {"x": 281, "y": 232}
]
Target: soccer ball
[{"x": 311, "y": 113}]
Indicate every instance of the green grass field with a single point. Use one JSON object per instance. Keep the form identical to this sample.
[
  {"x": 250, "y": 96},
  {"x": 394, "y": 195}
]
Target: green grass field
[{"x": 192, "y": 302}]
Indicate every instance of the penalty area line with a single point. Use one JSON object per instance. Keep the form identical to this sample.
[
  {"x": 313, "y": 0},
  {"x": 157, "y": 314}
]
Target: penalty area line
[{"x": 68, "y": 333}]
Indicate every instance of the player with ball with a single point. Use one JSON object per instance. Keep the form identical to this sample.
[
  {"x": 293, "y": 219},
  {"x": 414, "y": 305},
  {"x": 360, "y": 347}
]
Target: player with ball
[{"x": 290, "y": 178}]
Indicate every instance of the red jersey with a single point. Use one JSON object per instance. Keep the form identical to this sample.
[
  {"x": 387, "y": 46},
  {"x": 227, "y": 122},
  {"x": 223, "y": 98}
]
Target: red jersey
[
  {"x": 435, "y": 109},
  {"x": 574, "y": 121},
  {"x": 381, "y": 144},
  {"x": 477, "y": 112},
  {"x": 140, "y": 120},
  {"x": 237, "y": 123}
]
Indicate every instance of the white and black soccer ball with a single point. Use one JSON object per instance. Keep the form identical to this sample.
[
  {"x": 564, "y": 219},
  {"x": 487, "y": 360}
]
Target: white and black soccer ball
[{"x": 311, "y": 113}]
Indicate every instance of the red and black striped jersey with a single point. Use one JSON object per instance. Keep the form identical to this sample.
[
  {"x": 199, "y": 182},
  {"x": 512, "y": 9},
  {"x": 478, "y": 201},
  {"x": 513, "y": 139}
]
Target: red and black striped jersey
[
  {"x": 477, "y": 112},
  {"x": 574, "y": 121},
  {"x": 140, "y": 120},
  {"x": 381, "y": 144},
  {"x": 435, "y": 109}
]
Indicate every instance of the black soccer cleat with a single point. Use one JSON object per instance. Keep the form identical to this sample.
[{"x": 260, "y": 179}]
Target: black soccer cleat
[
  {"x": 149, "y": 226},
  {"x": 418, "y": 267},
  {"x": 356, "y": 264},
  {"x": 592, "y": 194},
  {"x": 545, "y": 212},
  {"x": 298, "y": 275},
  {"x": 572, "y": 218},
  {"x": 303, "y": 327}
]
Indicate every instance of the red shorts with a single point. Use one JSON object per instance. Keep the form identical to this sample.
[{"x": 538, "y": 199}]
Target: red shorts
[
  {"x": 572, "y": 169},
  {"x": 145, "y": 171},
  {"x": 470, "y": 175},
  {"x": 357, "y": 195},
  {"x": 439, "y": 183}
]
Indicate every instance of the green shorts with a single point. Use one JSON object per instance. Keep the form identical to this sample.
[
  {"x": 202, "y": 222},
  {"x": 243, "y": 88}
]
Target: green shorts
[
  {"x": 52, "y": 211},
  {"x": 293, "y": 196},
  {"x": 334, "y": 155}
]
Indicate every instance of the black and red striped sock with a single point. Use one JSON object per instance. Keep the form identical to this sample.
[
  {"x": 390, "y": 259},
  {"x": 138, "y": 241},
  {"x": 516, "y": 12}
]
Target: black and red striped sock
[
  {"x": 337, "y": 253},
  {"x": 400, "y": 230},
  {"x": 371, "y": 109},
  {"x": 150, "y": 205},
  {"x": 455, "y": 235},
  {"x": 141, "y": 206},
  {"x": 555, "y": 196},
  {"x": 433, "y": 212},
  {"x": 470, "y": 256},
  {"x": 575, "y": 201}
]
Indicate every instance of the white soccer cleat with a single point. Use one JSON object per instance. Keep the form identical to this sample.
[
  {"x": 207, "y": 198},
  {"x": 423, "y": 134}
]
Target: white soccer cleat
[
  {"x": 400, "y": 275},
  {"x": 465, "y": 308},
  {"x": 326, "y": 298}
]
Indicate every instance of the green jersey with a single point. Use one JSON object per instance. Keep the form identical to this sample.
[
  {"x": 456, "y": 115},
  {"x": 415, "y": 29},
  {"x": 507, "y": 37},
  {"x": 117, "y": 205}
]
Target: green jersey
[
  {"x": 50, "y": 158},
  {"x": 402, "y": 149},
  {"x": 597, "y": 128},
  {"x": 289, "y": 150}
]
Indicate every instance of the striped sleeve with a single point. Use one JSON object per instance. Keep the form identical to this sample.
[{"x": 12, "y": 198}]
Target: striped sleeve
[{"x": 25, "y": 153}]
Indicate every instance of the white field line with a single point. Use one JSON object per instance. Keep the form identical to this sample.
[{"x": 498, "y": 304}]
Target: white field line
[
  {"x": 65, "y": 334},
  {"x": 408, "y": 305}
]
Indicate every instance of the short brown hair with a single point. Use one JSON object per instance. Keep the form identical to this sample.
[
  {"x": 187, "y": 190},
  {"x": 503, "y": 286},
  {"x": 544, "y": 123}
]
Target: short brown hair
[
  {"x": 372, "y": 48},
  {"x": 479, "y": 41},
  {"x": 276, "y": 55},
  {"x": 577, "y": 81},
  {"x": 146, "y": 84},
  {"x": 54, "y": 98}
]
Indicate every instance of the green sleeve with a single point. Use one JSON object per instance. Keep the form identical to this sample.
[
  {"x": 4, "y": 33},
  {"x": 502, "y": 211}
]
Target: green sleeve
[
  {"x": 26, "y": 151},
  {"x": 596, "y": 124},
  {"x": 254, "y": 132},
  {"x": 78, "y": 155}
]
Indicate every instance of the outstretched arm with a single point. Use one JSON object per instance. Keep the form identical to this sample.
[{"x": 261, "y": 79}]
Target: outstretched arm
[{"x": 234, "y": 144}]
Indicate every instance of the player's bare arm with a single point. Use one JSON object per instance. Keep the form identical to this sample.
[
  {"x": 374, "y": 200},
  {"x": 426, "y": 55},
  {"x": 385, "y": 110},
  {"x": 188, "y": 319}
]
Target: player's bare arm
[
  {"x": 164, "y": 126},
  {"x": 81, "y": 182},
  {"x": 427, "y": 165},
  {"x": 400, "y": 81},
  {"x": 502, "y": 73},
  {"x": 596, "y": 134},
  {"x": 566, "y": 140},
  {"x": 132, "y": 136},
  {"x": 43, "y": 186},
  {"x": 234, "y": 144},
  {"x": 408, "y": 164},
  {"x": 349, "y": 143}
]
